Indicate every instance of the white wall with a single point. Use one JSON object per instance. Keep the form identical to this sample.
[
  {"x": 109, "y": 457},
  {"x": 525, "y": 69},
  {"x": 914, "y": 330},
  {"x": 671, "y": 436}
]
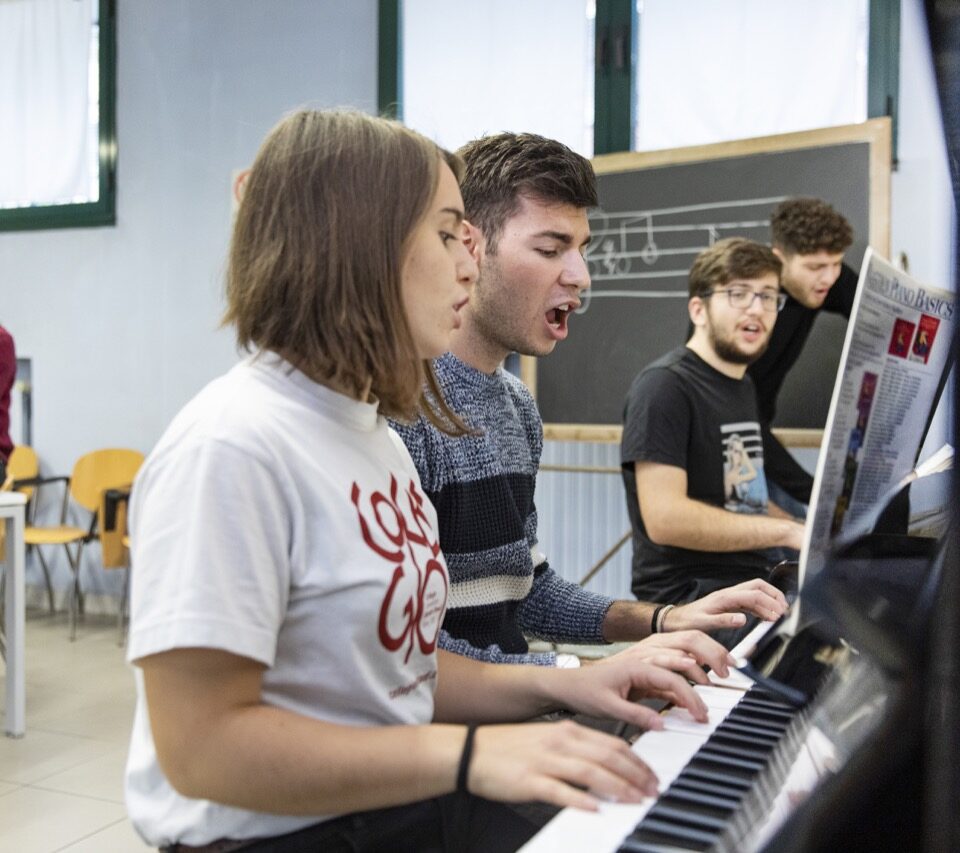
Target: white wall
[{"x": 121, "y": 322}]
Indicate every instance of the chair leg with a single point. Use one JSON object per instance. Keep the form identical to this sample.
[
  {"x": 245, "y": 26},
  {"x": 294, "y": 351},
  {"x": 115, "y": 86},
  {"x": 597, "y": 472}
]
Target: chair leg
[
  {"x": 46, "y": 579},
  {"x": 76, "y": 597}
]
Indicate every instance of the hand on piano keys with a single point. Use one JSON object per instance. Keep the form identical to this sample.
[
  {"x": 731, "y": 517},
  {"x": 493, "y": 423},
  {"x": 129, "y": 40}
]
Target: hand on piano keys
[
  {"x": 685, "y": 652},
  {"x": 725, "y": 608},
  {"x": 566, "y": 764},
  {"x": 741, "y": 765}
]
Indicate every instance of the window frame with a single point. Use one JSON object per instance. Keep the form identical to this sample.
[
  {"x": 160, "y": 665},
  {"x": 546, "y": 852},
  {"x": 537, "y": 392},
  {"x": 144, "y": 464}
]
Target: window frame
[
  {"x": 103, "y": 210},
  {"x": 614, "y": 96}
]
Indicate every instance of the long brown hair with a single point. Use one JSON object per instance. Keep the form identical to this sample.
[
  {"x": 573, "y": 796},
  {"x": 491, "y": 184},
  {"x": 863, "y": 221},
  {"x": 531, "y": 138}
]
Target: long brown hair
[{"x": 318, "y": 244}]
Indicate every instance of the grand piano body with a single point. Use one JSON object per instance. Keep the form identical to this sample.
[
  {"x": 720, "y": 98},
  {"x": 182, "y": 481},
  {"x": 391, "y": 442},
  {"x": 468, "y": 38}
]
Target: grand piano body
[{"x": 816, "y": 746}]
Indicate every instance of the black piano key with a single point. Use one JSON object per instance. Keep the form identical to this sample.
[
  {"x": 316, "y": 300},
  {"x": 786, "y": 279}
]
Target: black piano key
[
  {"x": 707, "y": 755},
  {"x": 751, "y": 741},
  {"x": 762, "y": 709},
  {"x": 717, "y": 746},
  {"x": 692, "y": 785},
  {"x": 763, "y": 695},
  {"x": 771, "y": 705},
  {"x": 738, "y": 750},
  {"x": 734, "y": 725},
  {"x": 632, "y": 845},
  {"x": 732, "y": 781},
  {"x": 697, "y": 800},
  {"x": 761, "y": 725},
  {"x": 685, "y": 837},
  {"x": 686, "y": 816},
  {"x": 762, "y": 713}
]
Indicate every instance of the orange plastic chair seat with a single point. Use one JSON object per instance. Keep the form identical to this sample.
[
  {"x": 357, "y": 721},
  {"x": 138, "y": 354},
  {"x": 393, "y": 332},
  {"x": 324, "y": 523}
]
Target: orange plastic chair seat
[{"x": 60, "y": 535}]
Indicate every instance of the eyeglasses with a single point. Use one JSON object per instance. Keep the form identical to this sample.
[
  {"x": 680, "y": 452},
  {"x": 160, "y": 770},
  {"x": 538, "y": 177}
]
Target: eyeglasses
[{"x": 742, "y": 298}]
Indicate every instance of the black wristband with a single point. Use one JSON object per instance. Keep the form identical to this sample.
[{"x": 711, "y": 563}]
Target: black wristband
[
  {"x": 465, "y": 755},
  {"x": 653, "y": 619}
]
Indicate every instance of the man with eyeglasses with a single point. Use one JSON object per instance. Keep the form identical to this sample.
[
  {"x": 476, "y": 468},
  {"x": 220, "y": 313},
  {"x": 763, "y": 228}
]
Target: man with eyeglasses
[{"x": 692, "y": 454}]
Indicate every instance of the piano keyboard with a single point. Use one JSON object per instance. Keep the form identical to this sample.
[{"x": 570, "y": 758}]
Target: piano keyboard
[{"x": 718, "y": 780}]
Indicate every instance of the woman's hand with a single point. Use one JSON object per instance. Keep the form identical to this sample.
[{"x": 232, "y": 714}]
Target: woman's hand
[
  {"x": 554, "y": 763},
  {"x": 610, "y": 690},
  {"x": 684, "y": 652}
]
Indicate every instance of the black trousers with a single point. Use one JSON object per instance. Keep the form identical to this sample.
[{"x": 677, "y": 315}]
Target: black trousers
[{"x": 456, "y": 823}]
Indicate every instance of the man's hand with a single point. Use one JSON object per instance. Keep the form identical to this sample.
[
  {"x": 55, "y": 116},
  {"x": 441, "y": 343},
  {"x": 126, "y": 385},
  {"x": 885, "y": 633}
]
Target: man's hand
[
  {"x": 725, "y": 608},
  {"x": 683, "y": 652}
]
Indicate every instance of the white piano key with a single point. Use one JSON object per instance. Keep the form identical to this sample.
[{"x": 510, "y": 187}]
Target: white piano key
[
  {"x": 680, "y": 720},
  {"x": 715, "y": 696},
  {"x": 735, "y": 680},
  {"x": 666, "y": 752}
]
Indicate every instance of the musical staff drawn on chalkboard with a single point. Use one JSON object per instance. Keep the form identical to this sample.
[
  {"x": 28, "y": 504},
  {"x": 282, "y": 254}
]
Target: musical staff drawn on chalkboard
[{"x": 636, "y": 247}]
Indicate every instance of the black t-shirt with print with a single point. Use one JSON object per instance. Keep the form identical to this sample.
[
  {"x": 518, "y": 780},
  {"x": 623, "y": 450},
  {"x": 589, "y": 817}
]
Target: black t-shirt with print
[{"x": 682, "y": 412}]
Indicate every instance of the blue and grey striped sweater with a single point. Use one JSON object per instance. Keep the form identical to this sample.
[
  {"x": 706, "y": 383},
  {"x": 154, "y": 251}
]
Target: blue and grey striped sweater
[{"x": 501, "y": 587}]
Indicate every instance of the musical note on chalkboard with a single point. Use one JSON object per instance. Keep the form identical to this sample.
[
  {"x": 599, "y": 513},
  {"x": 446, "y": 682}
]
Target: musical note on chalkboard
[{"x": 633, "y": 248}]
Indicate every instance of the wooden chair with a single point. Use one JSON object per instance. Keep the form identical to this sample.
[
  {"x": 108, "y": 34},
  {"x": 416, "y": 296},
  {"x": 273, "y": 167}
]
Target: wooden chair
[
  {"x": 93, "y": 474},
  {"x": 23, "y": 470}
]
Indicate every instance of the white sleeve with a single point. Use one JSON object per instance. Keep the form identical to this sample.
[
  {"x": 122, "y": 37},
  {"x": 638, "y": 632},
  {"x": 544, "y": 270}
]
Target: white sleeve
[{"x": 211, "y": 533}]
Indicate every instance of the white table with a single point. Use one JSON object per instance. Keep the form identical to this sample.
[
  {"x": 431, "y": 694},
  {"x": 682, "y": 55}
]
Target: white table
[{"x": 12, "y": 512}]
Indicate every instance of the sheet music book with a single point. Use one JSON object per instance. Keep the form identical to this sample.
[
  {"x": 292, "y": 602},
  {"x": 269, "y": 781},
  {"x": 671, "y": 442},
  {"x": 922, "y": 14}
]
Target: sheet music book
[{"x": 894, "y": 356}]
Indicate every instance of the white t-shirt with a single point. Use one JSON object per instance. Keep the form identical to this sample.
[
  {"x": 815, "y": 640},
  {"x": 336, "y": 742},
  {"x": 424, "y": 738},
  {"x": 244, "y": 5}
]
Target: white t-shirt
[{"x": 283, "y": 522}]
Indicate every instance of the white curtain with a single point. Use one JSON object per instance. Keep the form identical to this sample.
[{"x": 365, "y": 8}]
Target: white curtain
[
  {"x": 45, "y": 155},
  {"x": 713, "y": 70}
]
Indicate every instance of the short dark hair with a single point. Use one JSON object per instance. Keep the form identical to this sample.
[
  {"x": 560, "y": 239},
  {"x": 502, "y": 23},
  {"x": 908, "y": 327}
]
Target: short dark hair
[
  {"x": 725, "y": 260},
  {"x": 501, "y": 169},
  {"x": 803, "y": 226}
]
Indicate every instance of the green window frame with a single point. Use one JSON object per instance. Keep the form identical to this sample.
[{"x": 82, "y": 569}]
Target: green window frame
[
  {"x": 103, "y": 210},
  {"x": 616, "y": 59}
]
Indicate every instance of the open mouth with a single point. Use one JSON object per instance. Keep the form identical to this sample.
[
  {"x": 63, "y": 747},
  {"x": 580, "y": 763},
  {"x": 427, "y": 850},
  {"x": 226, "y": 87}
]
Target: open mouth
[
  {"x": 752, "y": 330},
  {"x": 557, "y": 317}
]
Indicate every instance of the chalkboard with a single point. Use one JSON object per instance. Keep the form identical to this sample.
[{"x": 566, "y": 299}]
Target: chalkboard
[{"x": 657, "y": 211}]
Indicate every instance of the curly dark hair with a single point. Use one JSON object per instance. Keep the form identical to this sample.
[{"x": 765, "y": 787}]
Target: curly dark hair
[
  {"x": 503, "y": 167},
  {"x": 803, "y": 226}
]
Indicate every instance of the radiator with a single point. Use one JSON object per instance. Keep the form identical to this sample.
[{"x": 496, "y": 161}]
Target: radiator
[{"x": 583, "y": 515}]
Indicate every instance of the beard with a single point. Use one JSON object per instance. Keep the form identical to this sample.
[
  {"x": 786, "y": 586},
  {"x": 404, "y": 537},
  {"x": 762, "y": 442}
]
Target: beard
[{"x": 727, "y": 350}]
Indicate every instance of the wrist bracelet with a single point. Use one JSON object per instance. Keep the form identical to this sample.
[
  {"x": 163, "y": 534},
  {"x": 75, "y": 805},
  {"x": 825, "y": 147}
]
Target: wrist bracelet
[
  {"x": 663, "y": 616},
  {"x": 653, "y": 619},
  {"x": 465, "y": 755}
]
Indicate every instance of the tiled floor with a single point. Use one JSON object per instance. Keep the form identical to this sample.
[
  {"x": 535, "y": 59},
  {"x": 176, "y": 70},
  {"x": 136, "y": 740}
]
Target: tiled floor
[{"x": 61, "y": 786}]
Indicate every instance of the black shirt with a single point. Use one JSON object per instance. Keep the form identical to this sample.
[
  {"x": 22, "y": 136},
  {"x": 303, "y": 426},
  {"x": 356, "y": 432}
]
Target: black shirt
[{"x": 680, "y": 411}]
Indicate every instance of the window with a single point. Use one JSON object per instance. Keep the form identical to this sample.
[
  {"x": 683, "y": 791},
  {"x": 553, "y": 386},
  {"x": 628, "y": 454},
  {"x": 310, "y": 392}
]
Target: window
[
  {"x": 616, "y": 75},
  {"x": 506, "y": 66},
  {"x": 711, "y": 72},
  {"x": 57, "y": 94}
]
